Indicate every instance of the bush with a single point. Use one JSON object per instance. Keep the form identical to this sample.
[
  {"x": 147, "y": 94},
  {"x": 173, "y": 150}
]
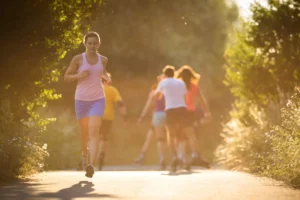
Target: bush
[
  {"x": 245, "y": 141},
  {"x": 19, "y": 155},
  {"x": 63, "y": 142},
  {"x": 284, "y": 157},
  {"x": 263, "y": 148}
]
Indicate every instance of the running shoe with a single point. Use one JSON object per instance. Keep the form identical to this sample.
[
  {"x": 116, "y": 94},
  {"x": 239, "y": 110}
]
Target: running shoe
[
  {"x": 197, "y": 161},
  {"x": 89, "y": 171}
]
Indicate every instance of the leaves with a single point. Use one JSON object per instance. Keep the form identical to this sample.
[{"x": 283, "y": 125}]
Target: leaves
[
  {"x": 45, "y": 35},
  {"x": 262, "y": 71}
]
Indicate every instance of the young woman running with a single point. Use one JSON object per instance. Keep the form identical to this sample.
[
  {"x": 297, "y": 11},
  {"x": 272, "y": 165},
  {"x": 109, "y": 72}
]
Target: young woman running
[
  {"x": 87, "y": 69},
  {"x": 191, "y": 78},
  {"x": 158, "y": 125}
]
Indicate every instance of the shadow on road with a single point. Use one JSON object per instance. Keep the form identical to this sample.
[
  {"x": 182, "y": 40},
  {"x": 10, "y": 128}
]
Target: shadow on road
[
  {"x": 81, "y": 189},
  {"x": 178, "y": 173},
  {"x": 26, "y": 191},
  {"x": 17, "y": 190}
]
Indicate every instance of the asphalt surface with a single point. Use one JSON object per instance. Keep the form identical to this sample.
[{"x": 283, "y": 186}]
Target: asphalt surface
[{"x": 129, "y": 182}]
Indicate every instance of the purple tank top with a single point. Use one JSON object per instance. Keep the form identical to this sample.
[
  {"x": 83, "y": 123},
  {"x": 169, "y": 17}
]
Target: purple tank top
[
  {"x": 90, "y": 88},
  {"x": 160, "y": 105}
]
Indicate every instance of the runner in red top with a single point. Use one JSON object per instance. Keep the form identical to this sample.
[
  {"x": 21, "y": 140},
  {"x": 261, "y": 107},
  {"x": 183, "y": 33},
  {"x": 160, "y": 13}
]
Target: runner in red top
[{"x": 191, "y": 79}]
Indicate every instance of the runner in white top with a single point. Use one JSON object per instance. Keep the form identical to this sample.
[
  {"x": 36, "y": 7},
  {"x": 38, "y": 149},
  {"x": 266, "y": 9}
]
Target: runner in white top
[{"x": 174, "y": 91}]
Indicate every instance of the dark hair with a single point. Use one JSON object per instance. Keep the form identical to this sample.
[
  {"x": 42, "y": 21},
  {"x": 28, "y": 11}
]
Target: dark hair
[
  {"x": 187, "y": 74},
  {"x": 91, "y": 34},
  {"x": 169, "y": 71}
]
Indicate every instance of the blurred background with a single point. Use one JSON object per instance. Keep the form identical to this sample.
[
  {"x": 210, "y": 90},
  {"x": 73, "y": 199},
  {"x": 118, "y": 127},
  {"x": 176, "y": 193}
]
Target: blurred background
[
  {"x": 139, "y": 39},
  {"x": 246, "y": 51}
]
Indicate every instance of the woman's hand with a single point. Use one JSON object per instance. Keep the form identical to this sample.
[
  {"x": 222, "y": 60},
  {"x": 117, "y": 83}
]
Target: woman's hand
[
  {"x": 207, "y": 116},
  {"x": 83, "y": 74},
  {"x": 140, "y": 119}
]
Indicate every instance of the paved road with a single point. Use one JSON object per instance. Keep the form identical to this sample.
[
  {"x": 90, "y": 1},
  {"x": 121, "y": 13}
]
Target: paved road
[{"x": 126, "y": 183}]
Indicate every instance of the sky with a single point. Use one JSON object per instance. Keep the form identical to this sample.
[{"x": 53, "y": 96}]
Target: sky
[{"x": 244, "y": 6}]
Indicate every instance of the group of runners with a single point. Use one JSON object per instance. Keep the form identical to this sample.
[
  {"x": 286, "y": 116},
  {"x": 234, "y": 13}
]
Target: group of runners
[
  {"x": 178, "y": 112},
  {"x": 174, "y": 94}
]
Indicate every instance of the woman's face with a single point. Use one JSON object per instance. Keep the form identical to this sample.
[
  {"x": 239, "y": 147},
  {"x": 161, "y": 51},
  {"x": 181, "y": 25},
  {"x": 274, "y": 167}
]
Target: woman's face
[{"x": 92, "y": 44}]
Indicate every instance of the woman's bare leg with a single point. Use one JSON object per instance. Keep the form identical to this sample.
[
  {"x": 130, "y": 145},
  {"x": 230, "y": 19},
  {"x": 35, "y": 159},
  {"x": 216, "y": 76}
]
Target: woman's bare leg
[
  {"x": 192, "y": 139},
  {"x": 148, "y": 140},
  {"x": 94, "y": 126},
  {"x": 145, "y": 147},
  {"x": 161, "y": 144},
  {"x": 84, "y": 127},
  {"x": 84, "y": 135}
]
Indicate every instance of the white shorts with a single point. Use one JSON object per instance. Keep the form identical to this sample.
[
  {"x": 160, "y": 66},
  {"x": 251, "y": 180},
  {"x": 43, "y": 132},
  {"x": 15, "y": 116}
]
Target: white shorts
[{"x": 159, "y": 119}]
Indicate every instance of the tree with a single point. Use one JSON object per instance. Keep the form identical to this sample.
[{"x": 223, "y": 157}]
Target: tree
[
  {"x": 263, "y": 72},
  {"x": 264, "y": 62},
  {"x": 276, "y": 35},
  {"x": 37, "y": 35}
]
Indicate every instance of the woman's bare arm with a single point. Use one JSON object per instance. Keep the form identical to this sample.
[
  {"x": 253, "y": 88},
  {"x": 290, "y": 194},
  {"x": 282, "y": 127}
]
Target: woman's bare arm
[
  {"x": 148, "y": 104},
  {"x": 202, "y": 101},
  {"x": 70, "y": 74},
  {"x": 104, "y": 74}
]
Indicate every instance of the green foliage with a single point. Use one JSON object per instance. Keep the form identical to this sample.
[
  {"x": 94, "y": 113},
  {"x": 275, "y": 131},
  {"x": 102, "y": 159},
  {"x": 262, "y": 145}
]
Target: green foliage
[
  {"x": 46, "y": 31},
  {"x": 245, "y": 140},
  {"x": 283, "y": 160},
  {"x": 63, "y": 141},
  {"x": 245, "y": 69},
  {"x": 262, "y": 71},
  {"x": 275, "y": 32},
  {"x": 19, "y": 154},
  {"x": 263, "y": 61}
]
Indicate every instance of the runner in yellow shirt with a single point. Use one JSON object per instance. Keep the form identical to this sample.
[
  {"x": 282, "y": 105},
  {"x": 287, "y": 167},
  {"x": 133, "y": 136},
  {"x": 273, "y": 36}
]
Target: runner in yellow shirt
[{"x": 112, "y": 97}]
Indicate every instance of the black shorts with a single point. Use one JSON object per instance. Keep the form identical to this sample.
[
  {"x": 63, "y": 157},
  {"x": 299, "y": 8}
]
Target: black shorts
[
  {"x": 105, "y": 129},
  {"x": 192, "y": 116},
  {"x": 179, "y": 117}
]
